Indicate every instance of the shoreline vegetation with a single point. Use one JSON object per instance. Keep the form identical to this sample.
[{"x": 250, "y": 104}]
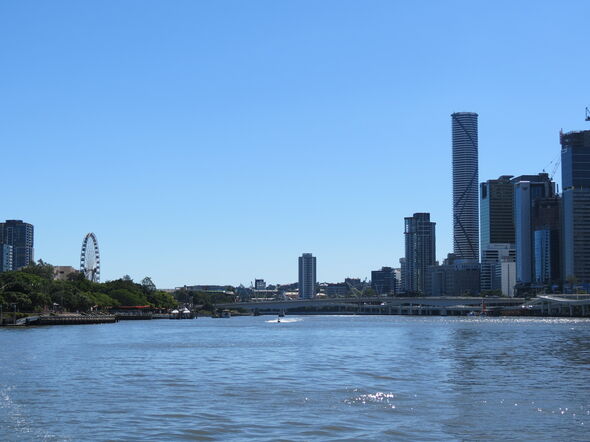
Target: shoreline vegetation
[{"x": 33, "y": 290}]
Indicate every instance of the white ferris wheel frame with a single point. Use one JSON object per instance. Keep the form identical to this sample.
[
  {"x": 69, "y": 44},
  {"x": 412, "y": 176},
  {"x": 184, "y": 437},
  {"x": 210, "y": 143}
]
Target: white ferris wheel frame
[{"x": 92, "y": 274}]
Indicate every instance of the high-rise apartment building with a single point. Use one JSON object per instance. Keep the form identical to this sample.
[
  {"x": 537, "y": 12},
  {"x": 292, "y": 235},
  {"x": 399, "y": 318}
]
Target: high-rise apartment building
[
  {"x": 19, "y": 235},
  {"x": 465, "y": 186},
  {"x": 575, "y": 182},
  {"x": 307, "y": 276},
  {"x": 420, "y": 242},
  {"x": 5, "y": 258}
]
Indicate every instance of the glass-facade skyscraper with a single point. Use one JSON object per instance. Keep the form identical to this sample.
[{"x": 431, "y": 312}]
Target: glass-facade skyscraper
[
  {"x": 497, "y": 231},
  {"x": 19, "y": 235},
  {"x": 575, "y": 181},
  {"x": 527, "y": 190},
  {"x": 497, "y": 217},
  {"x": 465, "y": 186}
]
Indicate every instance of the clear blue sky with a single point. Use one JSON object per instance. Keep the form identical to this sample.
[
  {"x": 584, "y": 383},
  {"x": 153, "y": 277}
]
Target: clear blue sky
[{"x": 209, "y": 142}]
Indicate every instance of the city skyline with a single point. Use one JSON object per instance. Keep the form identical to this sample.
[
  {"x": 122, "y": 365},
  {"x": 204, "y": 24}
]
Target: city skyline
[{"x": 212, "y": 154}]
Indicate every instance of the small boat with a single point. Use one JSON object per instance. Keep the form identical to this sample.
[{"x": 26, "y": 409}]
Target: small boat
[{"x": 226, "y": 314}]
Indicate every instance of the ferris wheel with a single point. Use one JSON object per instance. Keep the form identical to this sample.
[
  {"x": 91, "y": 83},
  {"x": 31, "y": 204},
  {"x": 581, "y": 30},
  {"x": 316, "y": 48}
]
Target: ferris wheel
[{"x": 90, "y": 258}]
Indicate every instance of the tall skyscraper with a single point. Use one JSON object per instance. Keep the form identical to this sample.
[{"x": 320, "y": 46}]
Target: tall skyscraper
[
  {"x": 546, "y": 221},
  {"x": 497, "y": 231},
  {"x": 497, "y": 213},
  {"x": 19, "y": 235},
  {"x": 465, "y": 186},
  {"x": 307, "y": 276},
  {"x": 420, "y": 241},
  {"x": 527, "y": 190},
  {"x": 575, "y": 182}
]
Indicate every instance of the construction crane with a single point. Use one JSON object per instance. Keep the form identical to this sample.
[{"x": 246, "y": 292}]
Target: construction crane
[
  {"x": 553, "y": 165},
  {"x": 552, "y": 174}
]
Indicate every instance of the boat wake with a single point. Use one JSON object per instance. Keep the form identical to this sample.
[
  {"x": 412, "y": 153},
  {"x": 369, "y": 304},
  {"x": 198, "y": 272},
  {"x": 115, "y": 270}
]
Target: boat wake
[{"x": 284, "y": 320}]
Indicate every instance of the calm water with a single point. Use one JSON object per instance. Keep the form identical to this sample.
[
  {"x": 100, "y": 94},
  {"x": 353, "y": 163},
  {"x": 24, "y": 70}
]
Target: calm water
[{"x": 307, "y": 378}]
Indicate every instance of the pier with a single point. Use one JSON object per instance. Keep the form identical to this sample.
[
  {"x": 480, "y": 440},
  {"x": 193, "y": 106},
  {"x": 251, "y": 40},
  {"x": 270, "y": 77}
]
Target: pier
[{"x": 67, "y": 320}]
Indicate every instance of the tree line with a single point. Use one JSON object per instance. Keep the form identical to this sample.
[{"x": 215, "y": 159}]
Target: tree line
[{"x": 33, "y": 289}]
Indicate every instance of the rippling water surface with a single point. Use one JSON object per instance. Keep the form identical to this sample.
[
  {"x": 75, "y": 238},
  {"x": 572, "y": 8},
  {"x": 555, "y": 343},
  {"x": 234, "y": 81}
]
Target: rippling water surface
[{"x": 306, "y": 378}]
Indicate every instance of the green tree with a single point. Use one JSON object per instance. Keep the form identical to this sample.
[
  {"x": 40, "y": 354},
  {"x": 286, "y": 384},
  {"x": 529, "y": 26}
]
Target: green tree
[
  {"x": 127, "y": 297},
  {"x": 41, "y": 269}
]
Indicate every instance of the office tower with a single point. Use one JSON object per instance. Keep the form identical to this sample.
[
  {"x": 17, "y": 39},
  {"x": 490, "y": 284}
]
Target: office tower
[
  {"x": 259, "y": 284},
  {"x": 420, "y": 244},
  {"x": 383, "y": 281},
  {"x": 307, "y": 276},
  {"x": 5, "y": 258},
  {"x": 497, "y": 214},
  {"x": 19, "y": 235},
  {"x": 497, "y": 233},
  {"x": 465, "y": 186},
  {"x": 575, "y": 182},
  {"x": 546, "y": 220},
  {"x": 527, "y": 189}
]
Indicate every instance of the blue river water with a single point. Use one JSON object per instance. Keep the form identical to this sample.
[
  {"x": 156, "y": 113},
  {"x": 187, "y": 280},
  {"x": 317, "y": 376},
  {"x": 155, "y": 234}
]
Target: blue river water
[{"x": 305, "y": 378}]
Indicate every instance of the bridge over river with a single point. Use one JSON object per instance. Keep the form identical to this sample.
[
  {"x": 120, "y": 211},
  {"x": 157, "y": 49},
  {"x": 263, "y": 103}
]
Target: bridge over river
[{"x": 554, "y": 305}]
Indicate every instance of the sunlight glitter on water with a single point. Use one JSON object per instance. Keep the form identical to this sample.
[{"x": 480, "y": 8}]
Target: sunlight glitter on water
[{"x": 379, "y": 397}]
